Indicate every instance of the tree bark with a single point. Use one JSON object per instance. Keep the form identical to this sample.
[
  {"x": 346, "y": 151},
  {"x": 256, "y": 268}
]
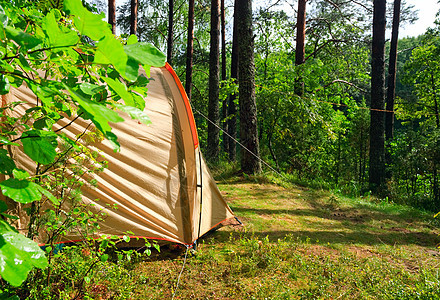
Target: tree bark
[
  {"x": 133, "y": 16},
  {"x": 112, "y": 15},
  {"x": 391, "y": 91},
  {"x": 223, "y": 77},
  {"x": 170, "y": 31},
  {"x": 389, "y": 118},
  {"x": 214, "y": 80},
  {"x": 300, "y": 44},
  {"x": 232, "y": 110},
  {"x": 250, "y": 162},
  {"x": 189, "y": 49},
  {"x": 377, "y": 116}
]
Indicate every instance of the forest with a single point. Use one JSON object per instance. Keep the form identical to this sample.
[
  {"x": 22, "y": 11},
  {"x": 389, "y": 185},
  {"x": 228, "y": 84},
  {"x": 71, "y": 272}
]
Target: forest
[
  {"x": 323, "y": 71},
  {"x": 319, "y": 122}
]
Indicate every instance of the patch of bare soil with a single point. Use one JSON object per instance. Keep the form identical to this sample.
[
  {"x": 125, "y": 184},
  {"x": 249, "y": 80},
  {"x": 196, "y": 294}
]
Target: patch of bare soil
[
  {"x": 321, "y": 251},
  {"x": 351, "y": 215},
  {"x": 361, "y": 252}
]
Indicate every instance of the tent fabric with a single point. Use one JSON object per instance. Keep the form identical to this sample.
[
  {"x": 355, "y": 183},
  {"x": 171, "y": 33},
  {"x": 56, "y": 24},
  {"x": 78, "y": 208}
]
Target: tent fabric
[{"x": 159, "y": 181}]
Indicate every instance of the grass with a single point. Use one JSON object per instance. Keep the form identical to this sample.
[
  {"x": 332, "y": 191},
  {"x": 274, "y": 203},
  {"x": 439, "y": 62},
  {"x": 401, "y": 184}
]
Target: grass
[{"x": 296, "y": 243}]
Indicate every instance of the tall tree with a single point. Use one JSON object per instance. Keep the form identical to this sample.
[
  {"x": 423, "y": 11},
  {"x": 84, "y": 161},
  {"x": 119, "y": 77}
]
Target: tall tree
[
  {"x": 377, "y": 115},
  {"x": 133, "y": 16},
  {"x": 250, "y": 162},
  {"x": 170, "y": 31},
  {"x": 300, "y": 43},
  {"x": 214, "y": 80},
  {"x": 112, "y": 15},
  {"x": 232, "y": 110},
  {"x": 189, "y": 49},
  {"x": 391, "y": 91},
  {"x": 389, "y": 118},
  {"x": 223, "y": 76}
]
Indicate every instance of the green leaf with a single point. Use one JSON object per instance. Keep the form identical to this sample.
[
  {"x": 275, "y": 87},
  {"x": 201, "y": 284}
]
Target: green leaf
[
  {"x": 5, "y": 141},
  {"x": 120, "y": 89},
  {"x": 18, "y": 255},
  {"x": 126, "y": 238},
  {"x": 134, "y": 113},
  {"x": 20, "y": 174},
  {"x": 145, "y": 54},
  {"x": 104, "y": 257},
  {"x": 139, "y": 102},
  {"x": 40, "y": 145},
  {"x": 43, "y": 123},
  {"x": 4, "y": 85},
  {"x": 111, "y": 51},
  {"x": 132, "y": 39},
  {"x": 113, "y": 139},
  {"x": 99, "y": 113},
  {"x": 91, "y": 89},
  {"x": 22, "y": 191},
  {"x": 3, "y": 16},
  {"x": 49, "y": 195},
  {"x": 56, "y": 37},
  {"x": 3, "y": 207},
  {"x": 22, "y": 38},
  {"x": 87, "y": 22},
  {"x": 7, "y": 164},
  {"x": 132, "y": 70}
]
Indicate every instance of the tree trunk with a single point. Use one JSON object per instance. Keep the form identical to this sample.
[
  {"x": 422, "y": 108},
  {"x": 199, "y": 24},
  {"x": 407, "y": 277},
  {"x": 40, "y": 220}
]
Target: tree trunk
[
  {"x": 377, "y": 124},
  {"x": 133, "y": 16},
  {"x": 170, "y": 31},
  {"x": 232, "y": 110},
  {"x": 389, "y": 116},
  {"x": 214, "y": 80},
  {"x": 189, "y": 49},
  {"x": 300, "y": 44},
  {"x": 112, "y": 15},
  {"x": 250, "y": 162},
  {"x": 223, "y": 76}
]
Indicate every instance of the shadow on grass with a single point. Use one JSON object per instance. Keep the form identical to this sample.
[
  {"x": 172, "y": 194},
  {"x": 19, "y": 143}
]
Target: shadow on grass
[
  {"x": 355, "y": 215},
  {"x": 354, "y": 221},
  {"x": 325, "y": 237}
]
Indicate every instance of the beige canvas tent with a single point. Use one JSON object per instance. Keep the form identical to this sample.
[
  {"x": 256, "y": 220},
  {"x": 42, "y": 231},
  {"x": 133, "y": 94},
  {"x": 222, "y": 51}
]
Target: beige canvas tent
[{"x": 159, "y": 181}]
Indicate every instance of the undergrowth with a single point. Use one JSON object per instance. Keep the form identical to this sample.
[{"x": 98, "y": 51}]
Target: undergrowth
[{"x": 296, "y": 243}]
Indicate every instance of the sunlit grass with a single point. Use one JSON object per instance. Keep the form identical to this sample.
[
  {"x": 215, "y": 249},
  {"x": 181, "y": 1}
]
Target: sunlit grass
[{"x": 298, "y": 243}]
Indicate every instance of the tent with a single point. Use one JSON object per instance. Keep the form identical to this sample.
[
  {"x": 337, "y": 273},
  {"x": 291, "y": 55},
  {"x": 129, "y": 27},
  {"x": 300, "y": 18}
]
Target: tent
[{"x": 159, "y": 181}]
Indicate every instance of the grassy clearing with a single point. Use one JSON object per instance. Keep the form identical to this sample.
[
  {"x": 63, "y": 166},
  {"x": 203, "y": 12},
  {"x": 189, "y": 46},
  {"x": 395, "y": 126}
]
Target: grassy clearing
[
  {"x": 296, "y": 243},
  {"x": 304, "y": 244}
]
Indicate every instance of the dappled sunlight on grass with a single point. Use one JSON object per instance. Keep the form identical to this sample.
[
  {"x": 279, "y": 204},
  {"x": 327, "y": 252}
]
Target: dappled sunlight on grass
[{"x": 304, "y": 244}]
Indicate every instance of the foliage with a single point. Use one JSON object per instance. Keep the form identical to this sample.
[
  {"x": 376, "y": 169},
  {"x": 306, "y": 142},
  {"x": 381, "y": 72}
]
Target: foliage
[
  {"x": 75, "y": 67},
  {"x": 91, "y": 269}
]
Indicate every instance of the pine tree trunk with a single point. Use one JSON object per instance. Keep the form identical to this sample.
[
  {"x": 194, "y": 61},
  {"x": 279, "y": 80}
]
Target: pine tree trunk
[
  {"x": 377, "y": 124},
  {"x": 112, "y": 15},
  {"x": 300, "y": 44},
  {"x": 232, "y": 110},
  {"x": 189, "y": 49},
  {"x": 389, "y": 117},
  {"x": 214, "y": 80},
  {"x": 170, "y": 31},
  {"x": 250, "y": 162},
  {"x": 133, "y": 16},
  {"x": 223, "y": 77}
]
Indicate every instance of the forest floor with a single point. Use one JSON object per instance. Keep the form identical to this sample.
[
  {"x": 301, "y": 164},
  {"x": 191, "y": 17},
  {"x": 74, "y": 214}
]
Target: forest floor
[
  {"x": 295, "y": 243},
  {"x": 299, "y": 243}
]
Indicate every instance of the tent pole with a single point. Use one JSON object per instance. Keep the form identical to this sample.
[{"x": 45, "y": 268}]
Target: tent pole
[{"x": 201, "y": 198}]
